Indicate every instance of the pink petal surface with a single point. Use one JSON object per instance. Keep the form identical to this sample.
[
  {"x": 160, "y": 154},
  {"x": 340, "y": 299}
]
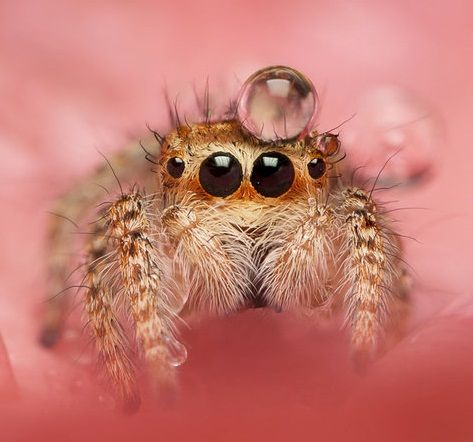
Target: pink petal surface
[{"x": 76, "y": 76}]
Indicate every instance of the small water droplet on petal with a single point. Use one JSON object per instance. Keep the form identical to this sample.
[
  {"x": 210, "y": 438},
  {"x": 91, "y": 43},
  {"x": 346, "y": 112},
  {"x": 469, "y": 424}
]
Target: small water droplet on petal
[
  {"x": 393, "y": 123},
  {"x": 177, "y": 352}
]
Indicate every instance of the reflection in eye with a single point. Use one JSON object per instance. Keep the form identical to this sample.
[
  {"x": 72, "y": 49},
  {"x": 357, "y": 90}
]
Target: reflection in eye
[
  {"x": 270, "y": 161},
  {"x": 222, "y": 161}
]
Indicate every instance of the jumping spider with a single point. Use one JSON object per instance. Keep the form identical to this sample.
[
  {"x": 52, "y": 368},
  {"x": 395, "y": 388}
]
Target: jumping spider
[{"x": 242, "y": 217}]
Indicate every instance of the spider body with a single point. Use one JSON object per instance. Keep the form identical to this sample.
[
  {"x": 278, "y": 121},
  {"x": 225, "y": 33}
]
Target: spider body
[{"x": 236, "y": 222}]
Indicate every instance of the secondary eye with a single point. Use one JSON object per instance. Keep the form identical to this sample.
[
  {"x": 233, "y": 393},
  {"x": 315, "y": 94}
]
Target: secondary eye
[
  {"x": 220, "y": 174},
  {"x": 175, "y": 167},
  {"x": 329, "y": 144},
  {"x": 273, "y": 174},
  {"x": 316, "y": 168}
]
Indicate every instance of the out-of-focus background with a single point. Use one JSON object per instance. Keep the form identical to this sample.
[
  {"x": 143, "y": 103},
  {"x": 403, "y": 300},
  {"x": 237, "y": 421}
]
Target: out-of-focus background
[{"x": 80, "y": 76}]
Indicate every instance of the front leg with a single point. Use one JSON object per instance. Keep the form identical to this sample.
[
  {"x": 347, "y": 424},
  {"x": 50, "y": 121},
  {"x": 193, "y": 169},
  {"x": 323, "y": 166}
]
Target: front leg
[
  {"x": 104, "y": 322},
  {"x": 372, "y": 270},
  {"x": 76, "y": 206},
  {"x": 151, "y": 297}
]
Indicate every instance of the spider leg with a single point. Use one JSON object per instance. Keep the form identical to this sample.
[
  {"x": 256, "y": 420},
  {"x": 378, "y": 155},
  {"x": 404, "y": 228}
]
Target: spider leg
[
  {"x": 142, "y": 268},
  {"x": 110, "y": 340},
  {"x": 371, "y": 268},
  {"x": 73, "y": 208}
]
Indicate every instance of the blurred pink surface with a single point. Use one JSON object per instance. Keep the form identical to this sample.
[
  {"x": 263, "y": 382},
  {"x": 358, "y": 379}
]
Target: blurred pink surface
[{"x": 76, "y": 76}]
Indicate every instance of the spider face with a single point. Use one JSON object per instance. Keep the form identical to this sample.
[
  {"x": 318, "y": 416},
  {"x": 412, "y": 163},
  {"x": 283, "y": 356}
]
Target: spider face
[
  {"x": 222, "y": 161},
  {"x": 265, "y": 156}
]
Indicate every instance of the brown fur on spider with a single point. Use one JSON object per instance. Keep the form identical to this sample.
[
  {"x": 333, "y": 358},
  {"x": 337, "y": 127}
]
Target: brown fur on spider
[{"x": 236, "y": 222}]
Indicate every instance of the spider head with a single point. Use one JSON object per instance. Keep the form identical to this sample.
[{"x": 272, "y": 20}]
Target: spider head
[
  {"x": 266, "y": 154},
  {"x": 223, "y": 160}
]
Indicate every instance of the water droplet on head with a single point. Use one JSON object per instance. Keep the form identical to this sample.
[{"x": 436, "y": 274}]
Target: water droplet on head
[{"x": 277, "y": 103}]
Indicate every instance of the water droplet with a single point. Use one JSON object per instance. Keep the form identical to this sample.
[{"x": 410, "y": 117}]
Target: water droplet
[
  {"x": 391, "y": 122},
  {"x": 277, "y": 103},
  {"x": 177, "y": 352}
]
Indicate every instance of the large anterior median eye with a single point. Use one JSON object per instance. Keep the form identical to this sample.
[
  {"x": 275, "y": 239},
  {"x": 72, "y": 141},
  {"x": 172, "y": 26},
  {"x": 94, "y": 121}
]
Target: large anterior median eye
[
  {"x": 220, "y": 174},
  {"x": 273, "y": 174}
]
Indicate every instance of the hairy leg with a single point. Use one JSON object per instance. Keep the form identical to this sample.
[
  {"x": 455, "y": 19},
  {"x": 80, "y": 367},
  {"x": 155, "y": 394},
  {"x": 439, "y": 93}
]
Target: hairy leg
[
  {"x": 74, "y": 206},
  {"x": 372, "y": 270},
  {"x": 142, "y": 268},
  {"x": 110, "y": 339}
]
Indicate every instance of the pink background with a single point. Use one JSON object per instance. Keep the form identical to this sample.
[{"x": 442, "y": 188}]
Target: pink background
[{"x": 77, "y": 76}]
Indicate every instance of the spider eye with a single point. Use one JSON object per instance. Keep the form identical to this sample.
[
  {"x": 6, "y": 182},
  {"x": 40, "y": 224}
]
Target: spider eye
[
  {"x": 329, "y": 144},
  {"x": 175, "y": 167},
  {"x": 273, "y": 174},
  {"x": 316, "y": 168},
  {"x": 220, "y": 174}
]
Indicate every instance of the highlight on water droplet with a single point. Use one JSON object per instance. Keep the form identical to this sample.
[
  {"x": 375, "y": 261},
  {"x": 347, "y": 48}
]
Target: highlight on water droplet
[{"x": 277, "y": 103}]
